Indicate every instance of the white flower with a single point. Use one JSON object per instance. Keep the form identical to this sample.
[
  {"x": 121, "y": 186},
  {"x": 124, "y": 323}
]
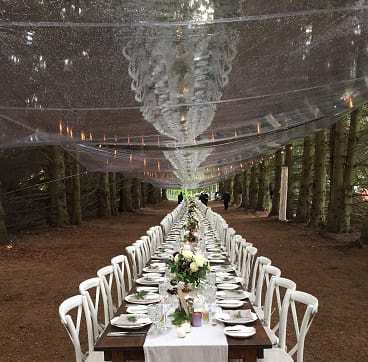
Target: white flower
[
  {"x": 187, "y": 254},
  {"x": 176, "y": 259},
  {"x": 200, "y": 260},
  {"x": 193, "y": 266}
]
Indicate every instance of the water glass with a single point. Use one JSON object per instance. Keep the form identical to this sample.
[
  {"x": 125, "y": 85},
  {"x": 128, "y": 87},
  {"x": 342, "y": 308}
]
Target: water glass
[{"x": 154, "y": 313}]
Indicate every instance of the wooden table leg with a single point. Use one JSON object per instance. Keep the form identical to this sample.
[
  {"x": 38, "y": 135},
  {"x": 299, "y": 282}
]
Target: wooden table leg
[
  {"x": 118, "y": 356},
  {"x": 250, "y": 355}
]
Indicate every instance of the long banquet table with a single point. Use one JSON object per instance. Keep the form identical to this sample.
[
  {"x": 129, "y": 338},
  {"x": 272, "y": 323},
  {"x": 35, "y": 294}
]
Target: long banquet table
[{"x": 130, "y": 347}]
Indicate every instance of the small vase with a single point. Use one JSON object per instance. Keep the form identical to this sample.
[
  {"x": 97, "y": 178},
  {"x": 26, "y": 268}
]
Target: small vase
[
  {"x": 181, "y": 331},
  {"x": 187, "y": 288},
  {"x": 187, "y": 327}
]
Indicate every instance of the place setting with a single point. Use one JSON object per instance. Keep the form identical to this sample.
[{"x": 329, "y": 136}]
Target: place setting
[{"x": 143, "y": 297}]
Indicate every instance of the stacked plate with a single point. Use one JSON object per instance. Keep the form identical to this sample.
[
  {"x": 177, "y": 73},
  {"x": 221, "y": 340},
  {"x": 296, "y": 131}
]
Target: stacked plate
[
  {"x": 137, "y": 309},
  {"x": 230, "y": 303},
  {"x": 147, "y": 280},
  {"x": 147, "y": 289},
  {"x": 232, "y": 294},
  {"x": 227, "y": 286},
  {"x": 242, "y": 316},
  {"x": 240, "y": 331},
  {"x": 143, "y": 298},
  {"x": 131, "y": 321}
]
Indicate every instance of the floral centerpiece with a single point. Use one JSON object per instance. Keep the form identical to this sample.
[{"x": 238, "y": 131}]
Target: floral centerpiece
[{"x": 188, "y": 268}]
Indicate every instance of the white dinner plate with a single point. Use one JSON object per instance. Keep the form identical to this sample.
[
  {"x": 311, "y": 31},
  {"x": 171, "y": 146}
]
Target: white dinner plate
[
  {"x": 237, "y": 316},
  {"x": 137, "y": 309},
  {"x": 216, "y": 261},
  {"x": 147, "y": 289},
  {"x": 239, "y": 331},
  {"x": 227, "y": 286},
  {"x": 149, "y": 298},
  {"x": 148, "y": 269},
  {"x": 232, "y": 294},
  {"x": 131, "y": 321},
  {"x": 229, "y": 279},
  {"x": 230, "y": 303},
  {"x": 150, "y": 281}
]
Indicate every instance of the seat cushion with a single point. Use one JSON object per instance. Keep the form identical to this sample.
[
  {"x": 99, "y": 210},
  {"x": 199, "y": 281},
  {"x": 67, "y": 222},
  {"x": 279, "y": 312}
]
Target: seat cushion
[
  {"x": 275, "y": 355},
  {"x": 95, "y": 357}
]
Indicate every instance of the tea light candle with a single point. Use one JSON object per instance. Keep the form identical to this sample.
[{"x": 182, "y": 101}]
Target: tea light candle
[{"x": 196, "y": 319}]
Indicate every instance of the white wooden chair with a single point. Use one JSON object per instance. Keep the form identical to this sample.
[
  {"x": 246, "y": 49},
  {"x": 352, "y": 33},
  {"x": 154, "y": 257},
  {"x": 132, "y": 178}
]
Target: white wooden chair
[
  {"x": 108, "y": 283},
  {"x": 259, "y": 264},
  {"x": 123, "y": 276},
  {"x": 131, "y": 252},
  {"x": 91, "y": 290},
  {"x": 278, "y": 293},
  {"x": 248, "y": 261},
  {"x": 79, "y": 303},
  {"x": 281, "y": 353}
]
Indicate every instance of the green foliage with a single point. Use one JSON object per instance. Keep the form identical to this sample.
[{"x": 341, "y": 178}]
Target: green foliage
[{"x": 179, "y": 317}]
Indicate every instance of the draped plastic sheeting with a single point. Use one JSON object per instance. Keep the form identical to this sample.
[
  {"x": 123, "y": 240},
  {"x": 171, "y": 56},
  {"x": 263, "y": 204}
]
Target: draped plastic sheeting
[{"x": 180, "y": 93}]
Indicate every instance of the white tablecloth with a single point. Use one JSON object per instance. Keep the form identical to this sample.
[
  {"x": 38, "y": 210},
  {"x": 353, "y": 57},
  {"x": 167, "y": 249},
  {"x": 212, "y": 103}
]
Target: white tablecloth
[{"x": 203, "y": 344}]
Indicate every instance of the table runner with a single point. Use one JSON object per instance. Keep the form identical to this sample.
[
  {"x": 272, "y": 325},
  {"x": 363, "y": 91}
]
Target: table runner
[{"x": 206, "y": 343}]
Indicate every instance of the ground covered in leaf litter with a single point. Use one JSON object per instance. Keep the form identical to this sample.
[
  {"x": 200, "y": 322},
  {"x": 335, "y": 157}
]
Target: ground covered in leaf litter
[{"x": 46, "y": 266}]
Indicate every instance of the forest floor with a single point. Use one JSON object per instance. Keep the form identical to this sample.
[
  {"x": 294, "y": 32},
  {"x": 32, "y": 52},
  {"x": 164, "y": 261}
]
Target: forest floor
[{"x": 46, "y": 266}]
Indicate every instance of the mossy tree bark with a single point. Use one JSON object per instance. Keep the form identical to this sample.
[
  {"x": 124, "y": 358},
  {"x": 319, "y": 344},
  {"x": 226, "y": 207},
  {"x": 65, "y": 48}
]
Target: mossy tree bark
[
  {"x": 261, "y": 186},
  {"x": 317, "y": 216},
  {"x": 304, "y": 199},
  {"x": 253, "y": 188},
  {"x": 125, "y": 192},
  {"x": 58, "y": 214},
  {"x": 163, "y": 195},
  {"x": 276, "y": 185},
  {"x": 336, "y": 205},
  {"x": 113, "y": 193},
  {"x": 136, "y": 194},
  {"x": 103, "y": 195},
  {"x": 289, "y": 162},
  {"x": 237, "y": 189},
  {"x": 3, "y": 229},
  {"x": 348, "y": 170},
  {"x": 245, "y": 189},
  {"x": 73, "y": 188}
]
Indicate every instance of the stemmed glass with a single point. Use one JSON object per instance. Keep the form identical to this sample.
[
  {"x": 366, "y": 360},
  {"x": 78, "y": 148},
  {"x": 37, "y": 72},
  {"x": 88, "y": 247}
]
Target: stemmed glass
[{"x": 162, "y": 288}]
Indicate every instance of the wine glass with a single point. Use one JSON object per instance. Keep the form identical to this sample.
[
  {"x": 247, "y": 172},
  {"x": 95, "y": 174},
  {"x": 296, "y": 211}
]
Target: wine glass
[{"x": 154, "y": 314}]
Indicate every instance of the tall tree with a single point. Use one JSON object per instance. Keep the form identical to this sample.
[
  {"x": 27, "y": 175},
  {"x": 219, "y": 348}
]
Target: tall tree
[
  {"x": 237, "y": 189},
  {"x": 103, "y": 195},
  {"x": 253, "y": 188},
  {"x": 163, "y": 195},
  {"x": 304, "y": 199},
  {"x": 276, "y": 184},
  {"x": 336, "y": 204},
  {"x": 319, "y": 179},
  {"x": 3, "y": 229},
  {"x": 58, "y": 214},
  {"x": 289, "y": 162},
  {"x": 125, "y": 193},
  {"x": 348, "y": 170},
  {"x": 261, "y": 185},
  {"x": 245, "y": 189},
  {"x": 136, "y": 194},
  {"x": 73, "y": 188},
  {"x": 113, "y": 193}
]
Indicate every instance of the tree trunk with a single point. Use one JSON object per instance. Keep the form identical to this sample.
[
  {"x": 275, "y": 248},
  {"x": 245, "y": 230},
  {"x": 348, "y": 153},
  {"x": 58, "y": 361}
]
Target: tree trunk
[
  {"x": 104, "y": 205},
  {"x": 261, "y": 186},
  {"x": 73, "y": 188},
  {"x": 289, "y": 161},
  {"x": 302, "y": 213},
  {"x": 125, "y": 203},
  {"x": 277, "y": 185},
  {"x": 348, "y": 170},
  {"x": 237, "y": 189},
  {"x": 136, "y": 194},
  {"x": 113, "y": 193},
  {"x": 58, "y": 214},
  {"x": 163, "y": 195},
  {"x": 245, "y": 190},
  {"x": 336, "y": 205},
  {"x": 364, "y": 232},
  {"x": 319, "y": 180},
  {"x": 4, "y": 237},
  {"x": 253, "y": 188},
  {"x": 221, "y": 187}
]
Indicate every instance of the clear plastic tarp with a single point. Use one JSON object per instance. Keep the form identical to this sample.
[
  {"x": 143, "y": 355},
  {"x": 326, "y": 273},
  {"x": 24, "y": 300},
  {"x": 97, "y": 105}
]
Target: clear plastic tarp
[{"x": 179, "y": 93}]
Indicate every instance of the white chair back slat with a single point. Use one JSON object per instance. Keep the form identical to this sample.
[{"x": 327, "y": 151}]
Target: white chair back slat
[{"x": 106, "y": 274}]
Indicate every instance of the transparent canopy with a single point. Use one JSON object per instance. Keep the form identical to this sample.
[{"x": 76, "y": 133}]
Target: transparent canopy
[{"x": 178, "y": 93}]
